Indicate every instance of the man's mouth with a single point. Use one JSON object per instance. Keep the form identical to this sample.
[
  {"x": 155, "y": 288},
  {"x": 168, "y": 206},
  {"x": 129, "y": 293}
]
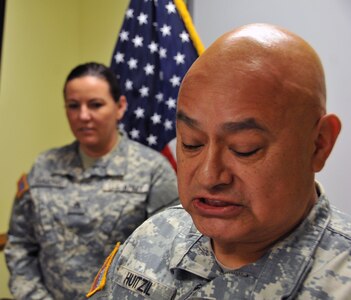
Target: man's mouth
[
  {"x": 217, "y": 208},
  {"x": 216, "y": 203}
]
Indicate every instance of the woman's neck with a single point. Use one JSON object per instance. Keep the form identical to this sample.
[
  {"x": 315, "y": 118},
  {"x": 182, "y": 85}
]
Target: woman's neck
[{"x": 97, "y": 152}]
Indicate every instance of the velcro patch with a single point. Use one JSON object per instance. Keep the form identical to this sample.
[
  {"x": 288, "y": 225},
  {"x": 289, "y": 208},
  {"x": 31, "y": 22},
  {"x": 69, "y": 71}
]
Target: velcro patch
[
  {"x": 143, "y": 285},
  {"x": 22, "y": 186},
  {"x": 49, "y": 182},
  {"x": 100, "y": 278},
  {"x": 116, "y": 186}
]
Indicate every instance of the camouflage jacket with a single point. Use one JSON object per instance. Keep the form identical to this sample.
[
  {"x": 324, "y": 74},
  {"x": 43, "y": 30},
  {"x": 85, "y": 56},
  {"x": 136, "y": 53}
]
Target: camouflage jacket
[
  {"x": 67, "y": 220},
  {"x": 167, "y": 258}
]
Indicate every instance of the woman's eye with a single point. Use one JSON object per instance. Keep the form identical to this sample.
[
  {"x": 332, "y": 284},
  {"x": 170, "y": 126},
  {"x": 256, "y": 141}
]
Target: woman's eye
[
  {"x": 72, "y": 105},
  {"x": 246, "y": 153},
  {"x": 95, "y": 105}
]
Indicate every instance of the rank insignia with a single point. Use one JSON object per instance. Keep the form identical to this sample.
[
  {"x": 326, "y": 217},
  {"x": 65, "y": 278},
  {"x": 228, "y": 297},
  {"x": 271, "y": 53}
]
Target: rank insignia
[
  {"x": 100, "y": 279},
  {"x": 22, "y": 186}
]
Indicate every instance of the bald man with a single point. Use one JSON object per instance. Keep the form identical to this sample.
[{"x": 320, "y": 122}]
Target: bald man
[{"x": 252, "y": 131}]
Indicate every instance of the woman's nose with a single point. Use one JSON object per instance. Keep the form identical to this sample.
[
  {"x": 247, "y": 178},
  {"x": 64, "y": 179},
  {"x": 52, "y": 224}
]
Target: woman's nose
[{"x": 84, "y": 113}]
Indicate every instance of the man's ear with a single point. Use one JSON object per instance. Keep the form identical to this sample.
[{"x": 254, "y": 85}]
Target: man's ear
[
  {"x": 329, "y": 127},
  {"x": 121, "y": 107}
]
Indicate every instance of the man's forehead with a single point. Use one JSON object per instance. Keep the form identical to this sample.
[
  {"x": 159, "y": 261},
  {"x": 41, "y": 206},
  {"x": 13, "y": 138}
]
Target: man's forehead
[{"x": 235, "y": 125}]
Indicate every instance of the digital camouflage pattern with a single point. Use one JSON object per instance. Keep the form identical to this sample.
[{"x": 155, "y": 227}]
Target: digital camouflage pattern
[
  {"x": 167, "y": 258},
  {"x": 66, "y": 224}
]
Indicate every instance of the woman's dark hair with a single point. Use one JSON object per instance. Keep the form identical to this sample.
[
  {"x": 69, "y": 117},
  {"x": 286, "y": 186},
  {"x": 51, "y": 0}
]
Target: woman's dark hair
[{"x": 96, "y": 70}]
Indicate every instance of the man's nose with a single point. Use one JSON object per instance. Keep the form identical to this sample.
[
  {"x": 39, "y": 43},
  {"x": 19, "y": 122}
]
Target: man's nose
[{"x": 213, "y": 171}]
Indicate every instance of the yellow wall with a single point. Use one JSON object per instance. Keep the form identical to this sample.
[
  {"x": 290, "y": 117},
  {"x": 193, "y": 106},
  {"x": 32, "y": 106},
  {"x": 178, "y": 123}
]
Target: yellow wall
[{"x": 43, "y": 40}]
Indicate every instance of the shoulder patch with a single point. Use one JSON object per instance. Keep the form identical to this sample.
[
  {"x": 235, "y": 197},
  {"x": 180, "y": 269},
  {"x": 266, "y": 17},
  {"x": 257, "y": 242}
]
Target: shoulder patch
[
  {"x": 22, "y": 186},
  {"x": 100, "y": 278}
]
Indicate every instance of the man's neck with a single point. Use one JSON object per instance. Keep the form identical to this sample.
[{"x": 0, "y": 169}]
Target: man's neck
[{"x": 235, "y": 257}]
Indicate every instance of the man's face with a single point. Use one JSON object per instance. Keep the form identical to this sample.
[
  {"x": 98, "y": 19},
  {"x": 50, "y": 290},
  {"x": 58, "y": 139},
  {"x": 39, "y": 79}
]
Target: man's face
[{"x": 244, "y": 156}]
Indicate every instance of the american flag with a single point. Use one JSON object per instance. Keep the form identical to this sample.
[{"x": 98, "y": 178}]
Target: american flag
[{"x": 156, "y": 45}]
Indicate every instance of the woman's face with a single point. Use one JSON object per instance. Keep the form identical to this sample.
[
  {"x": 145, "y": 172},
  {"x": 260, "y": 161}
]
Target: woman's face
[{"x": 92, "y": 114}]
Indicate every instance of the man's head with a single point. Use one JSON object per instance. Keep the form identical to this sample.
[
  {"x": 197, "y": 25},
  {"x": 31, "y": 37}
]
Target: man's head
[{"x": 252, "y": 131}]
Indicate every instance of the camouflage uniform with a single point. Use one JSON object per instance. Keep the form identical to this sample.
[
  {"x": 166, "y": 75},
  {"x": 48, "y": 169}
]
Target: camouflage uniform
[
  {"x": 66, "y": 224},
  {"x": 167, "y": 258}
]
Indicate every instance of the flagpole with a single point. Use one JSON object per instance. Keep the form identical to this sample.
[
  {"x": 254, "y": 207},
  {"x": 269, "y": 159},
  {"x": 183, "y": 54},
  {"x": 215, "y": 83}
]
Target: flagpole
[{"x": 184, "y": 13}]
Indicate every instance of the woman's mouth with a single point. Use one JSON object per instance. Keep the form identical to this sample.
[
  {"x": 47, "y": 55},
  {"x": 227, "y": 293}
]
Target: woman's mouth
[{"x": 86, "y": 130}]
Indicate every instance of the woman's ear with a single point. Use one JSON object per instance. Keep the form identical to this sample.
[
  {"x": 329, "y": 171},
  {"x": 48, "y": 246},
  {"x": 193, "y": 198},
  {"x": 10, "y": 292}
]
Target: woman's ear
[
  {"x": 329, "y": 127},
  {"x": 121, "y": 107}
]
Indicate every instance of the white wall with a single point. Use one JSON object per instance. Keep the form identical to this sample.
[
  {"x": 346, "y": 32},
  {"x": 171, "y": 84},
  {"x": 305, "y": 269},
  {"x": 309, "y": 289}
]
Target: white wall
[{"x": 326, "y": 25}]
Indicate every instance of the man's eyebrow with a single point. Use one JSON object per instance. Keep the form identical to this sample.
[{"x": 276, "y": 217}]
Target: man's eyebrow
[
  {"x": 231, "y": 127},
  {"x": 181, "y": 116},
  {"x": 245, "y": 124}
]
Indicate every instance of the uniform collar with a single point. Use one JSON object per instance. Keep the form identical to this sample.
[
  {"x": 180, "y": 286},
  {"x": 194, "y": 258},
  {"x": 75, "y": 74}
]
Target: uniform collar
[
  {"x": 191, "y": 252},
  {"x": 114, "y": 164}
]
